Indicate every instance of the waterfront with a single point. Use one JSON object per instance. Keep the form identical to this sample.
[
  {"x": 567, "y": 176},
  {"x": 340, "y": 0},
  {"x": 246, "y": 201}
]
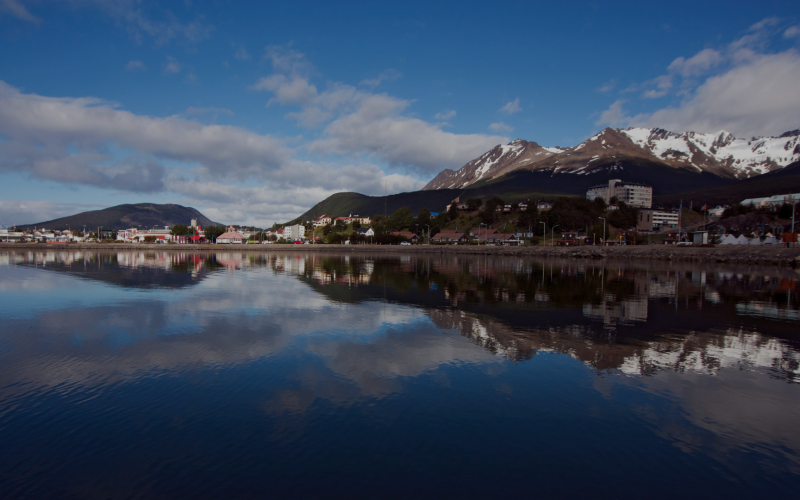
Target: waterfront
[{"x": 235, "y": 374}]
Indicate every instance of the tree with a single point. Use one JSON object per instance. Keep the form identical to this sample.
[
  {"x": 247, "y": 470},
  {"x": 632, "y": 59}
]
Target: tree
[
  {"x": 474, "y": 204},
  {"x": 212, "y": 232},
  {"x": 180, "y": 230},
  {"x": 624, "y": 218},
  {"x": 401, "y": 218},
  {"x": 326, "y": 229},
  {"x": 356, "y": 224},
  {"x": 424, "y": 217}
]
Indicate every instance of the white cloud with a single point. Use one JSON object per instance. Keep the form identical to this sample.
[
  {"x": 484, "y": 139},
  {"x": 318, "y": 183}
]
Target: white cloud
[
  {"x": 172, "y": 66},
  {"x": 608, "y": 86},
  {"x": 792, "y": 32},
  {"x": 386, "y": 76},
  {"x": 191, "y": 110},
  {"x": 697, "y": 64},
  {"x": 287, "y": 90},
  {"x": 81, "y": 141},
  {"x": 135, "y": 66},
  {"x": 21, "y": 212},
  {"x": 445, "y": 115},
  {"x": 376, "y": 128},
  {"x": 16, "y": 9},
  {"x": 614, "y": 115},
  {"x": 759, "y": 97},
  {"x": 511, "y": 107},
  {"x": 500, "y": 127},
  {"x": 663, "y": 84},
  {"x": 764, "y": 24},
  {"x": 241, "y": 54},
  {"x": 131, "y": 17}
]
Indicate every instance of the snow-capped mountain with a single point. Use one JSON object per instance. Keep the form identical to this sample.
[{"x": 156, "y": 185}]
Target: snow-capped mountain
[
  {"x": 745, "y": 157},
  {"x": 721, "y": 154},
  {"x": 496, "y": 162}
]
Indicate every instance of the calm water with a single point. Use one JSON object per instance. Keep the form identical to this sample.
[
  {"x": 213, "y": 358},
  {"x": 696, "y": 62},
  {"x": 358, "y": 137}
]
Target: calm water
[{"x": 234, "y": 375}]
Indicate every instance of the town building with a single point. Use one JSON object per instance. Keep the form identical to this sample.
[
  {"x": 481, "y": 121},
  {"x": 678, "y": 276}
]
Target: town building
[
  {"x": 364, "y": 221},
  {"x": 365, "y": 231},
  {"x": 544, "y": 205},
  {"x": 294, "y": 233},
  {"x": 634, "y": 194},
  {"x": 322, "y": 220},
  {"x": 413, "y": 238},
  {"x": 230, "y": 236},
  {"x": 655, "y": 220},
  {"x": 450, "y": 236},
  {"x": 773, "y": 202}
]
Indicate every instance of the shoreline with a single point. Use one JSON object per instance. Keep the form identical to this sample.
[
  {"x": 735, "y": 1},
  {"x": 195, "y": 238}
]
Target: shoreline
[{"x": 735, "y": 254}]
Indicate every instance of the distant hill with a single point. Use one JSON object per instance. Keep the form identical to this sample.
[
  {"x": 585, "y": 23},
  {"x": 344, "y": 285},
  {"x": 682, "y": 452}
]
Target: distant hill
[{"x": 144, "y": 215}]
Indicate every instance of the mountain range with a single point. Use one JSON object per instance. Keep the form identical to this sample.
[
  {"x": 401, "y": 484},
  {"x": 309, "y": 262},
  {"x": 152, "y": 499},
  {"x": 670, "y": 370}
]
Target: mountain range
[
  {"x": 709, "y": 168},
  {"x": 721, "y": 155}
]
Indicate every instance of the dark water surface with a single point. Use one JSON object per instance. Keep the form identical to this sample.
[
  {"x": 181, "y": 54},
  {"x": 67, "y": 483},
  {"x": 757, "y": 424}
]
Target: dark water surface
[{"x": 235, "y": 375}]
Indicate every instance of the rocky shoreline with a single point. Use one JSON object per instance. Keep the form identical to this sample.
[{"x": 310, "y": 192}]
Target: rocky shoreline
[{"x": 735, "y": 254}]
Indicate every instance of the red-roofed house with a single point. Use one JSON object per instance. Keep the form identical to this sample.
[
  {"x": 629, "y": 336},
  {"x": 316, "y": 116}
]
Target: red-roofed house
[
  {"x": 450, "y": 236},
  {"x": 322, "y": 220},
  {"x": 407, "y": 235}
]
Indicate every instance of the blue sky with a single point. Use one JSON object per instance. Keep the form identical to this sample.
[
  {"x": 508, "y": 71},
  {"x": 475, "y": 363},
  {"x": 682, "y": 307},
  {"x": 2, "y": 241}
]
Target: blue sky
[{"x": 253, "y": 113}]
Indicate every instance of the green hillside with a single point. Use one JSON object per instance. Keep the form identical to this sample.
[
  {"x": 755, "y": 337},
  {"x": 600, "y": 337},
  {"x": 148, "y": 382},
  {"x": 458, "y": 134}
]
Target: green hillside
[
  {"x": 340, "y": 204},
  {"x": 144, "y": 215}
]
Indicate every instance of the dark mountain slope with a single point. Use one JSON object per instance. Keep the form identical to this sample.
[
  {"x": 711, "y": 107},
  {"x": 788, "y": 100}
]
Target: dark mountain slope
[
  {"x": 784, "y": 181},
  {"x": 144, "y": 215}
]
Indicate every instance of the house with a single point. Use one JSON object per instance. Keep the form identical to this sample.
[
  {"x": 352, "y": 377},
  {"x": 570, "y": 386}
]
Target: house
[
  {"x": 462, "y": 206},
  {"x": 230, "y": 236},
  {"x": 322, "y": 220},
  {"x": 503, "y": 239},
  {"x": 365, "y": 231},
  {"x": 344, "y": 220},
  {"x": 507, "y": 207},
  {"x": 544, "y": 205},
  {"x": 717, "y": 212},
  {"x": 364, "y": 221},
  {"x": 482, "y": 233},
  {"x": 413, "y": 238},
  {"x": 522, "y": 207},
  {"x": 450, "y": 236}
]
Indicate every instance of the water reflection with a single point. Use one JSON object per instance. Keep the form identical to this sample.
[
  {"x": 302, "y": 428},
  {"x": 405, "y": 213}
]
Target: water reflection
[{"x": 702, "y": 360}]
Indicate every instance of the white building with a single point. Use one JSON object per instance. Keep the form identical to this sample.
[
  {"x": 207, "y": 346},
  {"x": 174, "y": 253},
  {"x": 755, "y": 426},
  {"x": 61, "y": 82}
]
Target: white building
[
  {"x": 294, "y": 233},
  {"x": 772, "y": 201},
  {"x": 657, "y": 219},
  {"x": 632, "y": 193}
]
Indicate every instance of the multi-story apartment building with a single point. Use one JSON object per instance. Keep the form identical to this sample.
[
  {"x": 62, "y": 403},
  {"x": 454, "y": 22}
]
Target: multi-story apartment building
[
  {"x": 634, "y": 194},
  {"x": 657, "y": 219}
]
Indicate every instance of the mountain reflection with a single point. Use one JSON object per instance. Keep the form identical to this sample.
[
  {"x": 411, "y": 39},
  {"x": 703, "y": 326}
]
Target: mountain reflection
[{"x": 614, "y": 317}]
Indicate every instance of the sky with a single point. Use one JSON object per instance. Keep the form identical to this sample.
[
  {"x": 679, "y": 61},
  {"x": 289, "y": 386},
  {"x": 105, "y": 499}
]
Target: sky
[{"x": 252, "y": 112}]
